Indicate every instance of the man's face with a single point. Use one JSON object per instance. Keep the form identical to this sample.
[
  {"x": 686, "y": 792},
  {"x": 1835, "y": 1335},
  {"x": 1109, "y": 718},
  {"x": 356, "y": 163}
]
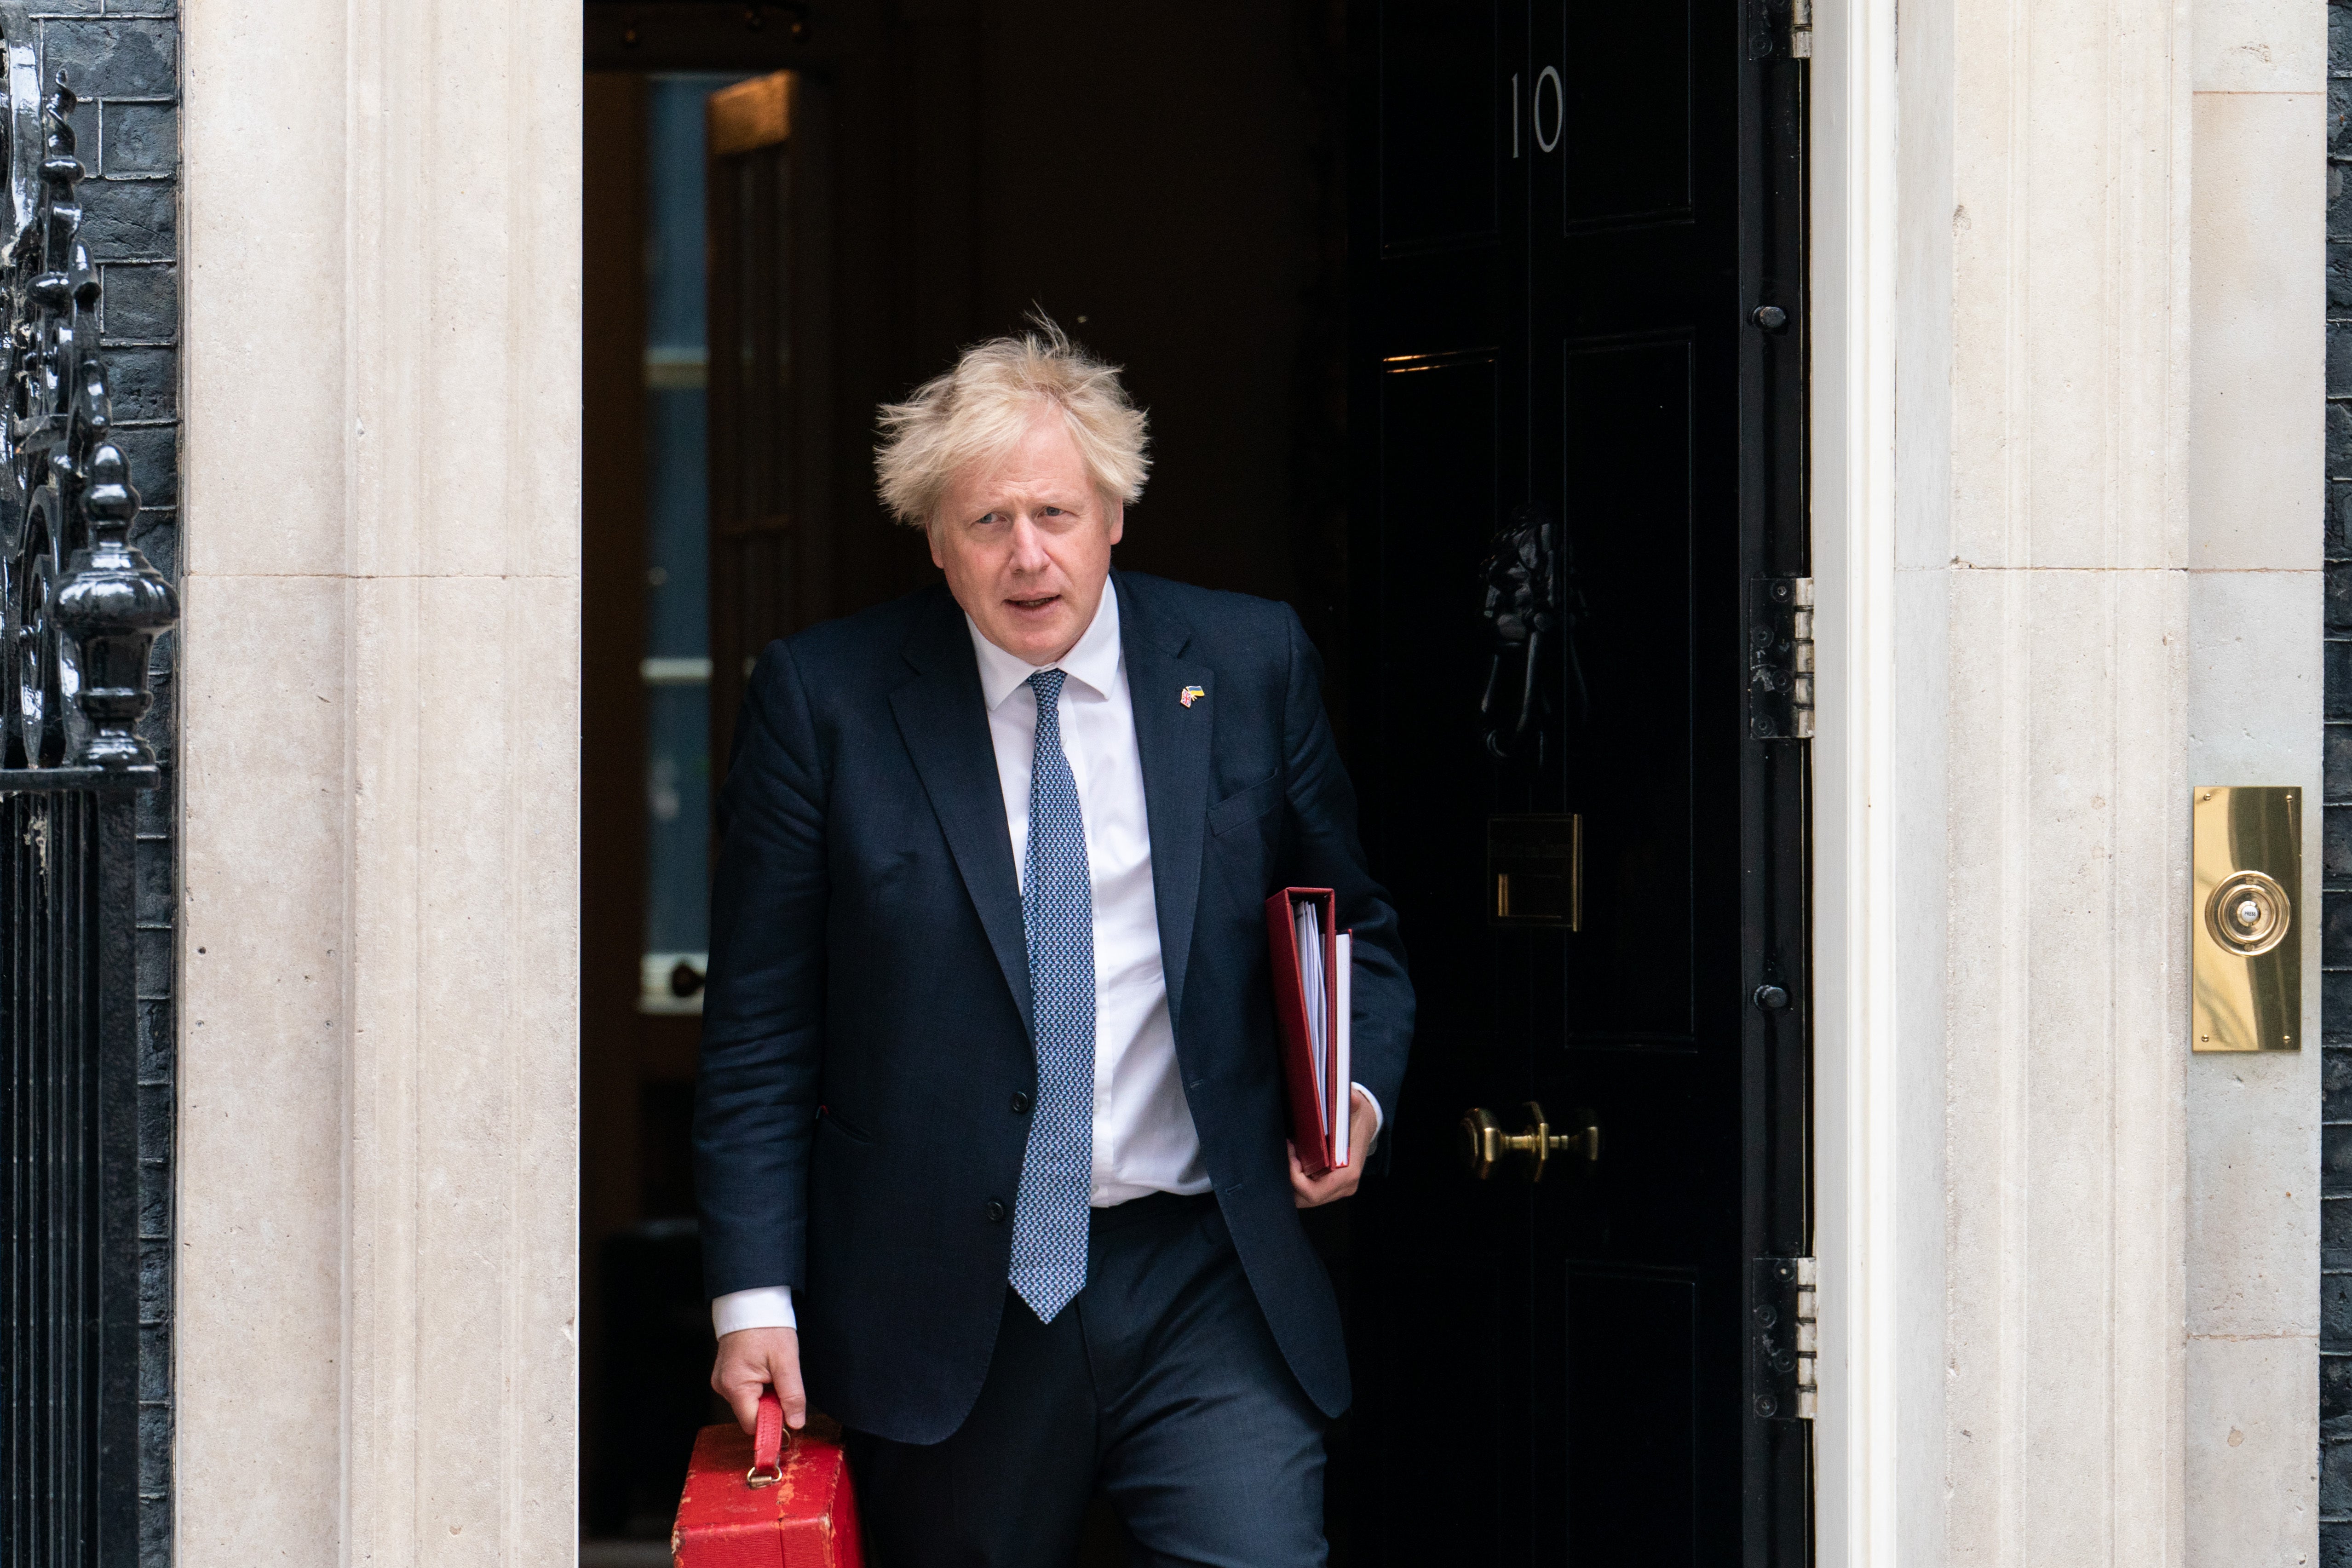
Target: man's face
[{"x": 1026, "y": 545}]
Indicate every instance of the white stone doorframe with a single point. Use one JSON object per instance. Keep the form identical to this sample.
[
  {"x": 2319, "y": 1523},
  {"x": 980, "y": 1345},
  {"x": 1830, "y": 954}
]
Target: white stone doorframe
[
  {"x": 2049, "y": 549},
  {"x": 2067, "y": 556},
  {"x": 1851, "y": 386}
]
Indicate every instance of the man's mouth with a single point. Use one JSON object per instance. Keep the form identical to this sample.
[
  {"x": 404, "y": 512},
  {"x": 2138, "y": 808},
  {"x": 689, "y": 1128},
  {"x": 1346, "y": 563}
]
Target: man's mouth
[{"x": 1033, "y": 605}]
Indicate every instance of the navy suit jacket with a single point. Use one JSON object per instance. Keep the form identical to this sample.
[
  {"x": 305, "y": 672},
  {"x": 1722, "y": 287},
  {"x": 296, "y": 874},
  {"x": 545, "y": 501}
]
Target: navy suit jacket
[{"x": 866, "y": 1027}]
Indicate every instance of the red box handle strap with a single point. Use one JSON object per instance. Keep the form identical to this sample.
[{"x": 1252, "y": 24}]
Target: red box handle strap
[{"x": 769, "y": 1443}]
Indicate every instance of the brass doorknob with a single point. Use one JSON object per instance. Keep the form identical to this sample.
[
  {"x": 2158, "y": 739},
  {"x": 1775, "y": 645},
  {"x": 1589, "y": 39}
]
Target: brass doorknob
[{"x": 1484, "y": 1142}]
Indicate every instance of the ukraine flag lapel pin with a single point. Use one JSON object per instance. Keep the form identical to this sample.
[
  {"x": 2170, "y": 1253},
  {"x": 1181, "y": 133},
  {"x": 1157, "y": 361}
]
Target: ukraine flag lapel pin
[{"x": 1192, "y": 695}]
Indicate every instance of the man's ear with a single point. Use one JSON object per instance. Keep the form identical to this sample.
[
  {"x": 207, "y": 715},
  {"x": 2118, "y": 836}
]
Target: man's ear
[
  {"x": 1118, "y": 516},
  {"x": 931, "y": 536}
]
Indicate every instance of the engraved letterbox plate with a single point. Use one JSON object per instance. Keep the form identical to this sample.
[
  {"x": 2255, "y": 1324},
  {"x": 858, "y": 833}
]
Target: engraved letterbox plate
[
  {"x": 2245, "y": 937},
  {"x": 1534, "y": 872}
]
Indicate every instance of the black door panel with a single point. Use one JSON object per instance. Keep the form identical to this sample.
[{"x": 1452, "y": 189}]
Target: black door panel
[
  {"x": 1557, "y": 1371},
  {"x": 1440, "y": 119}
]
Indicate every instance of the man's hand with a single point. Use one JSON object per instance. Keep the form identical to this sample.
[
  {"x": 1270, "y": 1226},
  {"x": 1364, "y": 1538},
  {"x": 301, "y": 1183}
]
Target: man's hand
[
  {"x": 1311, "y": 1192},
  {"x": 752, "y": 1360}
]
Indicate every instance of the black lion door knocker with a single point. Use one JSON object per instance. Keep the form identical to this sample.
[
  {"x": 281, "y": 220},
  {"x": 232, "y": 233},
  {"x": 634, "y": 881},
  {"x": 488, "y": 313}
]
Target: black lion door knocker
[{"x": 1532, "y": 609}]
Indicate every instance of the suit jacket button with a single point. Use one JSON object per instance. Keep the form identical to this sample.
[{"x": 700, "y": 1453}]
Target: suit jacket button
[
  {"x": 995, "y": 1210},
  {"x": 1020, "y": 1103}
]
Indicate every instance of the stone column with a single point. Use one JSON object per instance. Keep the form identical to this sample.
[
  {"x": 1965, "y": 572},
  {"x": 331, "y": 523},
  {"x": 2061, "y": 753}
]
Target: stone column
[
  {"x": 2005, "y": 822},
  {"x": 2065, "y": 1020},
  {"x": 378, "y": 1171},
  {"x": 2255, "y": 467}
]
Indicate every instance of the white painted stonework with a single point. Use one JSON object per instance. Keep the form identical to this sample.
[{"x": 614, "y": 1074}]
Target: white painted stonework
[
  {"x": 2067, "y": 416},
  {"x": 2068, "y": 402},
  {"x": 377, "y": 1145}
]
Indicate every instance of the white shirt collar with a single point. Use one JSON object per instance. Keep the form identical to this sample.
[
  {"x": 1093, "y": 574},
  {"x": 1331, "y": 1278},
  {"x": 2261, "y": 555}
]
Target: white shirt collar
[{"x": 1092, "y": 661}]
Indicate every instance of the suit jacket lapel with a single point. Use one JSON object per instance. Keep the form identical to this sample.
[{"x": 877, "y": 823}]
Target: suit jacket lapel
[
  {"x": 943, "y": 720},
  {"x": 1172, "y": 738}
]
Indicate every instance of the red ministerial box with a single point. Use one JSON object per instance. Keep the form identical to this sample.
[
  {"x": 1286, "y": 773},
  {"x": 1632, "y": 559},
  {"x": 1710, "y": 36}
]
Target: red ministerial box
[{"x": 755, "y": 1503}]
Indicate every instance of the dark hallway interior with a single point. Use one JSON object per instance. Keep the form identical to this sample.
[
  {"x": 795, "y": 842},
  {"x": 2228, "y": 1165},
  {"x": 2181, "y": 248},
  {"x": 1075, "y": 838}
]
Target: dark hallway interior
[{"x": 1166, "y": 182}]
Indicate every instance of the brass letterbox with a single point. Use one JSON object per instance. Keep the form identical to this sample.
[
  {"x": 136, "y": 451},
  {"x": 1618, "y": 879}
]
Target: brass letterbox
[
  {"x": 2245, "y": 939},
  {"x": 1535, "y": 872}
]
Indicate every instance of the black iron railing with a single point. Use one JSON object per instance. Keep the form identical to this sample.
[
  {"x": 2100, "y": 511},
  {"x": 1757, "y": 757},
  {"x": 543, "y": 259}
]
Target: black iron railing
[
  {"x": 79, "y": 612},
  {"x": 69, "y": 1145}
]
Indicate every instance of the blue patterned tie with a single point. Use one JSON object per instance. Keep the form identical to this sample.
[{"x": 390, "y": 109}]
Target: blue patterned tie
[{"x": 1057, "y": 915}]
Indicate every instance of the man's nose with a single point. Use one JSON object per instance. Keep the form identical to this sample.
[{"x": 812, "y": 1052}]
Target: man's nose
[{"x": 1028, "y": 547}]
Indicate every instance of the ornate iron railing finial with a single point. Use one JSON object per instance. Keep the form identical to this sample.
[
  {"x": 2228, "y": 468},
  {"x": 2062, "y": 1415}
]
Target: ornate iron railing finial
[{"x": 80, "y": 607}]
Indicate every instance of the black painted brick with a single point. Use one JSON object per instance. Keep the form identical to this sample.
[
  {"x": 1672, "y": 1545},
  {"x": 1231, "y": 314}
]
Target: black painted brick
[
  {"x": 154, "y": 456},
  {"x": 155, "y": 1281},
  {"x": 127, "y": 219},
  {"x": 140, "y": 139},
  {"x": 145, "y": 382},
  {"x": 156, "y": 532},
  {"x": 155, "y": 1112},
  {"x": 155, "y": 963},
  {"x": 155, "y": 1513},
  {"x": 2335, "y": 1477},
  {"x": 127, "y": 60},
  {"x": 156, "y": 1046},
  {"x": 2335, "y": 1088},
  {"x": 2336, "y": 1235},
  {"x": 2336, "y": 843},
  {"x": 155, "y": 1208},
  {"x": 2336, "y": 1159},
  {"x": 155, "y": 1362},
  {"x": 2339, "y": 276},
  {"x": 141, "y": 303},
  {"x": 2335, "y": 1008},
  {"x": 2339, "y": 680},
  {"x": 2335, "y": 543},
  {"x": 2337, "y": 758},
  {"x": 153, "y": 866}
]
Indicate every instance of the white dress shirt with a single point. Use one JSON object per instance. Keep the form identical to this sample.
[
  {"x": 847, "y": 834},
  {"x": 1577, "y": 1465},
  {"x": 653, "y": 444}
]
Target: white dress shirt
[{"x": 1144, "y": 1140}]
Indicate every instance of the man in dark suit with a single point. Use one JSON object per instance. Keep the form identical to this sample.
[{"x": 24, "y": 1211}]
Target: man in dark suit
[{"x": 989, "y": 1130}]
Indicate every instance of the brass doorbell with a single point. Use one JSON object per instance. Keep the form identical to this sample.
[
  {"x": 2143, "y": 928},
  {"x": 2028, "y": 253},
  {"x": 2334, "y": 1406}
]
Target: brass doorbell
[{"x": 2246, "y": 969}]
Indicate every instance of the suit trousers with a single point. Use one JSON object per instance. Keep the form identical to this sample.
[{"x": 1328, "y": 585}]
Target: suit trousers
[{"x": 1159, "y": 1385}]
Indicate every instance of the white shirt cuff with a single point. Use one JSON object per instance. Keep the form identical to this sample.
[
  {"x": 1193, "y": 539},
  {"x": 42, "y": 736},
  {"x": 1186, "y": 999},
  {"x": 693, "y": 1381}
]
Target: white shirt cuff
[
  {"x": 1378, "y": 1119},
  {"x": 768, "y": 1307}
]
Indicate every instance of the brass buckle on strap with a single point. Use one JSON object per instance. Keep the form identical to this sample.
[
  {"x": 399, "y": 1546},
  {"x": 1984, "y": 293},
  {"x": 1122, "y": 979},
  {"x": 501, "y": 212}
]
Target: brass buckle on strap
[{"x": 768, "y": 1475}]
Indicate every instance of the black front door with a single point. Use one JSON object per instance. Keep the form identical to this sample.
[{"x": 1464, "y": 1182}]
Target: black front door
[{"x": 1578, "y": 399}]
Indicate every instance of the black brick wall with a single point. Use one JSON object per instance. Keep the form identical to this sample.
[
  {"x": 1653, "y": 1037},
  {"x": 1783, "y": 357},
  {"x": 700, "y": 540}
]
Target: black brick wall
[
  {"x": 2335, "y": 937},
  {"x": 123, "y": 57}
]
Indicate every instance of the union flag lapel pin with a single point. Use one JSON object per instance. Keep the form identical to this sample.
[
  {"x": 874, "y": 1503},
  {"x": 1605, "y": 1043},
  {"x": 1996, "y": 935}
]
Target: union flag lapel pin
[{"x": 1192, "y": 695}]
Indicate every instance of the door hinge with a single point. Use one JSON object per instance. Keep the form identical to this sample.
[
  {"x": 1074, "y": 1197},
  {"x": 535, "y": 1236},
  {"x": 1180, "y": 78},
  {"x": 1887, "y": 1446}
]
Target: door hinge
[
  {"x": 1786, "y": 1338},
  {"x": 1780, "y": 658},
  {"x": 1779, "y": 29}
]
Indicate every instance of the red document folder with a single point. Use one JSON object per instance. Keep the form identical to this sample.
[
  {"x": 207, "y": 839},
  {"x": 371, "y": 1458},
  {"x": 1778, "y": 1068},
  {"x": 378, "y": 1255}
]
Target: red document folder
[{"x": 1320, "y": 1100}]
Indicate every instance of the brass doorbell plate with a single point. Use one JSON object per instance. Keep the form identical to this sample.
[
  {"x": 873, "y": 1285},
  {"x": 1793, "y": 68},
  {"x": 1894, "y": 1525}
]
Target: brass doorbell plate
[{"x": 2245, "y": 940}]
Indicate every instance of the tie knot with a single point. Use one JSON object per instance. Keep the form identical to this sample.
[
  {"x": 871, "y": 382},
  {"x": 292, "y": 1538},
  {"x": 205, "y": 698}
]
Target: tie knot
[{"x": 1047, "y": 685}]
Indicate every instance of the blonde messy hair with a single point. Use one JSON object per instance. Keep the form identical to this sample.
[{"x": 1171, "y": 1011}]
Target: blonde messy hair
[{"x": 978, "y": 411}]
